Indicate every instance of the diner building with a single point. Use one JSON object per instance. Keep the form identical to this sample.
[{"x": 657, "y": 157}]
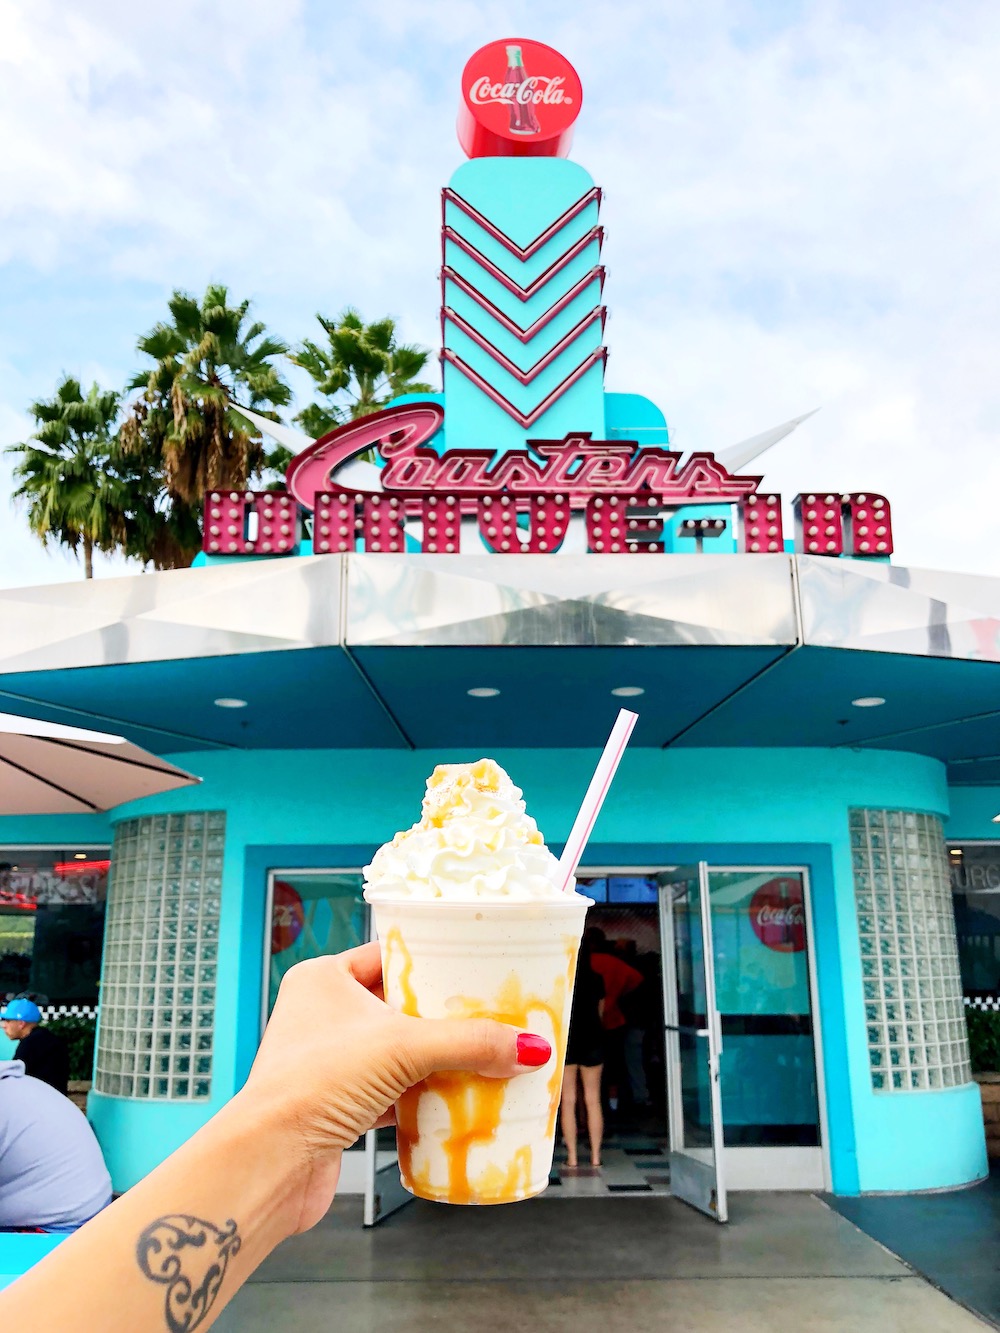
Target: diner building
[{"x": 806, "y": 809}]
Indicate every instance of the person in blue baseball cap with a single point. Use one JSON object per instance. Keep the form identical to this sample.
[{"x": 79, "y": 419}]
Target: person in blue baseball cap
[{"x": 45, "y": 1055}]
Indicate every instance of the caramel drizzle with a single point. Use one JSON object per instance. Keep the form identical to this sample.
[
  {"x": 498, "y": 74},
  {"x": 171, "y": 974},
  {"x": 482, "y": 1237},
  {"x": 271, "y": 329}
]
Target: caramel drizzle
[{"x": 473, "y": 1102}]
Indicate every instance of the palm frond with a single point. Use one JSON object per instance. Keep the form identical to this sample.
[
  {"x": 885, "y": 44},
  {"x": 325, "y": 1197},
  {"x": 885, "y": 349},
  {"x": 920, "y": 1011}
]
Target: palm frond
[{"x": 360, "y": 369}]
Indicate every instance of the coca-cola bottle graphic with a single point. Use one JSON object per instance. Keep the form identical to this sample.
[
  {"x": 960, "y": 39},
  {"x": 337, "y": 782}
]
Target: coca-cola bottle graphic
[
  {"x": 783, "y": 919},
  {"x": 522, "y": 114}
]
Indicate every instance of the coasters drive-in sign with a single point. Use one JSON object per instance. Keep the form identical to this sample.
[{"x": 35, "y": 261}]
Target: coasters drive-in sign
[{"x": 522, "y": 502}]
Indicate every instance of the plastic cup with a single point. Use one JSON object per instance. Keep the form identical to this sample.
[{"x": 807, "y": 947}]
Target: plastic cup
[{"x": 463, "y": 1138}]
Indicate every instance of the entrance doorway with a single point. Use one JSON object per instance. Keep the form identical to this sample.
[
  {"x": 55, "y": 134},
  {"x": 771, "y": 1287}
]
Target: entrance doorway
[
  {"x": 713, "y": 1078},
  {"x": 712, "y": 1074},
  {"x": 623, "y": 934}
]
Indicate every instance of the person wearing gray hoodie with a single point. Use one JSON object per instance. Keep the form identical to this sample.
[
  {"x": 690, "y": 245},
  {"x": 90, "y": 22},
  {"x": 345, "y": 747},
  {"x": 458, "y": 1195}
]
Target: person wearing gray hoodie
[{"x": 52, "y": 1172}]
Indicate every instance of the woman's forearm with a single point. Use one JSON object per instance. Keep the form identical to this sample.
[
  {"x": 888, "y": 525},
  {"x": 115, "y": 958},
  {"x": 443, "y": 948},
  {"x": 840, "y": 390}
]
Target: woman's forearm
[{"x": 172, "y": 1251}]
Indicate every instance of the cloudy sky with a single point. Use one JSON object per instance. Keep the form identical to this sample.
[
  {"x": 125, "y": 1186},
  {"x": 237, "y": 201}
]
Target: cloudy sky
[{"x": 802, "y": 210}]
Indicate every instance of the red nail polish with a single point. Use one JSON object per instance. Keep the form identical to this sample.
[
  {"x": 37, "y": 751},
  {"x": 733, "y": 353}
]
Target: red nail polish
[{"x": 532, "y": 1050}]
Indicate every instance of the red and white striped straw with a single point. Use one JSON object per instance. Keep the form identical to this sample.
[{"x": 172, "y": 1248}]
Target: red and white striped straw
[{"x": 594, "y": 799}]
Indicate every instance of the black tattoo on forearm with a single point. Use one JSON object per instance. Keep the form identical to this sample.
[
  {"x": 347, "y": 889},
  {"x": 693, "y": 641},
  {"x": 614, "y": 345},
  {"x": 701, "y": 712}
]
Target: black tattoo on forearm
[{"x": 167, "y": 1253}]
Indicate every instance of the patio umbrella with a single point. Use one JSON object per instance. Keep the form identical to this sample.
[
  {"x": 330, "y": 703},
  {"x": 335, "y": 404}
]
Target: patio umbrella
[{"x": 48, "y": 769}]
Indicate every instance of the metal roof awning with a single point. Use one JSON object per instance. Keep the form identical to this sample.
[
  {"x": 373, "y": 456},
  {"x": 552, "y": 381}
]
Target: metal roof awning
[{"x": 366, "y": 651}]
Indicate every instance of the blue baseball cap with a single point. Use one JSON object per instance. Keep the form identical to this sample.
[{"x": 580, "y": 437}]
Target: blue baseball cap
[{"x": 22, "y": 1010}]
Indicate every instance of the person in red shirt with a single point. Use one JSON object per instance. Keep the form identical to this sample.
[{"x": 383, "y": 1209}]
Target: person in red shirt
[{"x": 620, "y": 980}]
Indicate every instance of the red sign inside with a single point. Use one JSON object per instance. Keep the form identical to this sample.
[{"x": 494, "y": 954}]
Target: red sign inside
[
  {"x": 70, "y": 869},
  {"x": 778, "y": 915},
  {"x": 519, "y": 99},
  {"x": 288, "y": 916}
]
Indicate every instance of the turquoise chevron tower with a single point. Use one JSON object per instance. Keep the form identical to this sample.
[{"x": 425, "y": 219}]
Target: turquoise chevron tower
[
  {"x": 522, "y": 282},
  {"x": 522, "y": 319}
]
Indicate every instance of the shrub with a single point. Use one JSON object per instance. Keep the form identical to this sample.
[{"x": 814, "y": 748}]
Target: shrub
[
  {"x": 984, "y": 1040},
  {"x": 79, "y": 1033}
]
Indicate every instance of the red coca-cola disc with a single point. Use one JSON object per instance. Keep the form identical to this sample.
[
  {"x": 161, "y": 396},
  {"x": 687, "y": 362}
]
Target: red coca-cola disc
[
  {"x": 519, "y": 99},
  {"x": 288, "y": 916},
  {"x": 778, "y": 915}
]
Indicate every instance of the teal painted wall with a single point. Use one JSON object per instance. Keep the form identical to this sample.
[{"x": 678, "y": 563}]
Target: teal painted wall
[
  {"x": 717, "y": 795},
  {"x": 921, "y": 1141},
  {"x": 136, "y": 1136},
  {"x": 972, "y": 811},
  {"x": 54, "y": 830},
  {"x": 339, "y": 806}
]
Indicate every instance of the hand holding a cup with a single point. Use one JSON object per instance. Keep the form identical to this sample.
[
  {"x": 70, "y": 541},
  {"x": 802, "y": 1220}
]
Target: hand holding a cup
[{"x": 335, "y": 1059}]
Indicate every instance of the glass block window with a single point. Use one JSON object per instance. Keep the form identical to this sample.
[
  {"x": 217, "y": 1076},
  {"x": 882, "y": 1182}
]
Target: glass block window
[
  {"x": 914, "y": 1012},
  {"x": 157, "y": 1003}
]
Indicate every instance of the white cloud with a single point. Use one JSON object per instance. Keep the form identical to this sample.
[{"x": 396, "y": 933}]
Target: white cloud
[{"x": 801, "y": 208}]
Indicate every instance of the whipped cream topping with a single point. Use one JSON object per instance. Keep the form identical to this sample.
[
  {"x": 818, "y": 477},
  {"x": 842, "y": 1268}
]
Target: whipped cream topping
[{"x": 474, "y": 840}]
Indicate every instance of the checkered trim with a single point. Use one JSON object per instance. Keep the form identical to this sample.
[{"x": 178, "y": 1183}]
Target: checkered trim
[
  {"x": 988, "y": 1002},
  {"x": 62, "y": 1010}
]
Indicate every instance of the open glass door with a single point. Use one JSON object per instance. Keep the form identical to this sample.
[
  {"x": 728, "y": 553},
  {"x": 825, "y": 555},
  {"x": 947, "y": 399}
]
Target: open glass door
[
  {"x": 763, "y": 987},
  {"x": 384, "y": 1191},
  {"x": 693, "y": 1041}
]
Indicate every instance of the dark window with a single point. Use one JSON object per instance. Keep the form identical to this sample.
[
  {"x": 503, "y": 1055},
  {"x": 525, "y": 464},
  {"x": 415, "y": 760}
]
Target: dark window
[
  {"x": 52, "y": 922},
  {"x": 975, "y": 884}
]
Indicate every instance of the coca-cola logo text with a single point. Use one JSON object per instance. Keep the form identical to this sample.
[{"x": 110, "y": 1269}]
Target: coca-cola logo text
[
  {"x": 777, "y": 914},
  {"x": 536, "y": 91}
]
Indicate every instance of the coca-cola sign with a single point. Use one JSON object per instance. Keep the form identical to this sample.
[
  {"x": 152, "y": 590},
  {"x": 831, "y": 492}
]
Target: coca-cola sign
[
  {"x": 519, "y": 99},
  {"x": 288, "y": 916},
  {"x": 778, "y": 915}
]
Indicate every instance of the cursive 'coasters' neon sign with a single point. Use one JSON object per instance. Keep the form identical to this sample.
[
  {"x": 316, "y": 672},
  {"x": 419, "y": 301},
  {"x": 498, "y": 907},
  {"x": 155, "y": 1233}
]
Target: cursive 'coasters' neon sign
[{"x": 523, "y": 501}]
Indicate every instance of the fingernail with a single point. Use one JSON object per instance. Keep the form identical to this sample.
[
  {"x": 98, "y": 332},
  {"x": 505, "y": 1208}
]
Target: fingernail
[{"x": 532, "y": 1050}]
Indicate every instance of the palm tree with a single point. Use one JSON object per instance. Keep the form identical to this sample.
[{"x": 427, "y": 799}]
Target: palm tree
[
  {"x": 207, "y": 356},
  {"x": 359, "y": 371},
  {"x": 77, "y": 489}
]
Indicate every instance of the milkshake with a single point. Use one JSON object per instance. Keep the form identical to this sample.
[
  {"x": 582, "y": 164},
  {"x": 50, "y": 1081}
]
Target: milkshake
[{"x": 473, "y": 924}]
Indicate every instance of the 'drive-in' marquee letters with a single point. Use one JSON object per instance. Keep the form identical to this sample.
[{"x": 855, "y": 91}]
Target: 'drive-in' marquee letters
[{"x": 523, "y": 501}]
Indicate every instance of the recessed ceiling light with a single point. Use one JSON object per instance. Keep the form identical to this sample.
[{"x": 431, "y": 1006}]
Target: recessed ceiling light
[
  {"x": 230, "y": 703},
  {"x": 628, "y": 691},
  {"x": 483, "y": 692},
  {"x": 80, "y": 856},
  {"x": 955, "y": 851},
  {"x": 868, "y": 701}
]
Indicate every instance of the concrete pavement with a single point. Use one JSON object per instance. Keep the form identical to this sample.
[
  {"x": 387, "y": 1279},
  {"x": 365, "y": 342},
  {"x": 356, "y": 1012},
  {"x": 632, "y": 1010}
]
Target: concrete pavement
[{"x": 785, "y": 1261}]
